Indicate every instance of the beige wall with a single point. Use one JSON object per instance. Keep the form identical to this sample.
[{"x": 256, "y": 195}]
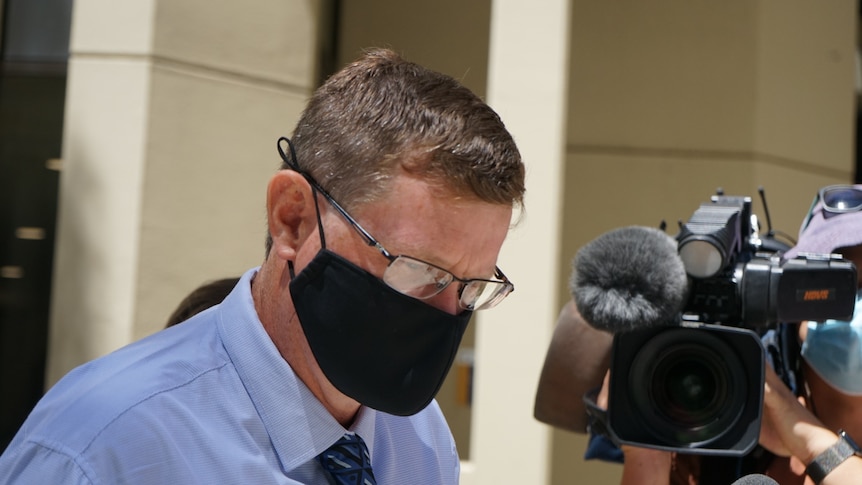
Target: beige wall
[
  {"x": 670, "y": 100},
  {"x": 447, "y": 35},
  {"x": 626, "y": 113}
]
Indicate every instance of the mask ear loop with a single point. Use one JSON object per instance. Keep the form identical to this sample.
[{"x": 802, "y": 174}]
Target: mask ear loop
[{"x": 294, "y": 165}]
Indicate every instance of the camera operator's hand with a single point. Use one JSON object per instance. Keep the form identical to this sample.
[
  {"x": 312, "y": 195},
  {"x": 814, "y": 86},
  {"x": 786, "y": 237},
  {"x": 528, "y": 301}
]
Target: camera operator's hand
[
  {"x": 789, "y": 429},
  {"x": 784, "y": 416},
  {"x": 646, "y": 466}
]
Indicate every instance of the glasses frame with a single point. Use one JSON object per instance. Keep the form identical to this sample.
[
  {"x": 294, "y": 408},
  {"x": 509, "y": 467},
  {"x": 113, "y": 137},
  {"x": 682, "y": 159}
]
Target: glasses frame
[
  {"x": 829, "y": 211},
  {"x": 373, "y": 242}
]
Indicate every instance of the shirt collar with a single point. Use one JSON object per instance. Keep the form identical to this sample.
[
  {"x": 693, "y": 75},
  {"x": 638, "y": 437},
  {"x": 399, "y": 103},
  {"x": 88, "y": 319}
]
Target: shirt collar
[{"x": 298, "y": 424}]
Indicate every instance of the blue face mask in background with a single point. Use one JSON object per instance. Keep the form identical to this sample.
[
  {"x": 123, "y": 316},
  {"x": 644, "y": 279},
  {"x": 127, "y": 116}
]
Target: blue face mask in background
[{"x": 834, "y": 350}]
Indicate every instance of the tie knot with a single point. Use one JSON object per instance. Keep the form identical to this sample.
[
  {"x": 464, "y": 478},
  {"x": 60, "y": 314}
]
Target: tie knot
[{"x": 348, "y": 461}]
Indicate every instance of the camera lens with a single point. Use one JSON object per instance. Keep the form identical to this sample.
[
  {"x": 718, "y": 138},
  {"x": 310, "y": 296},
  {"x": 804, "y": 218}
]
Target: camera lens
[{"x": 687, "y": 387}]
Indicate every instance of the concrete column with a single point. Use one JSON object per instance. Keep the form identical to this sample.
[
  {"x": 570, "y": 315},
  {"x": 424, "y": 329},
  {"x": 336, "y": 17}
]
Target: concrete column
[
  {"x": 172, "y": 115},
  {"x": 527, "y": 86}
]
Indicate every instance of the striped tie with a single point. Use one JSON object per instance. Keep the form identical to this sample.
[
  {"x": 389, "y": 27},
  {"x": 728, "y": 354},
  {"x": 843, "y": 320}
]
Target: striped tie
[{"x": 348, "y": 461}]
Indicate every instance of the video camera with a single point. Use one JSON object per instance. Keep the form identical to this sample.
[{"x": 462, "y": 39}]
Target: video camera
[{"x": 696, "y": 386}]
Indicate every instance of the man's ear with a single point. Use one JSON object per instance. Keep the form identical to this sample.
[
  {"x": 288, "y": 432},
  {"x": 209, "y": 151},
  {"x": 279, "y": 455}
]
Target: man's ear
[{"x": 290, "y": 213}]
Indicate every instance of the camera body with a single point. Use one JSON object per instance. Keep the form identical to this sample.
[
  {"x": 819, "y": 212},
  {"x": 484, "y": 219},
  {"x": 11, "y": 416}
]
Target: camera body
[{"x": 696, "y": 385}]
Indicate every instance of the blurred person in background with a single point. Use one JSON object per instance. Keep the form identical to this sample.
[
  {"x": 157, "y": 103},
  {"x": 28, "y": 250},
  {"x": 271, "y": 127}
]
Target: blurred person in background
[{"x": 204, "y": 296}]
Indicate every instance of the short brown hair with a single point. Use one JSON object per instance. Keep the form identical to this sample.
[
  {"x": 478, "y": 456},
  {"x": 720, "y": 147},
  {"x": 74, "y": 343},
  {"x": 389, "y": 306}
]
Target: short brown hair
[{"x": 382, "y": 113}]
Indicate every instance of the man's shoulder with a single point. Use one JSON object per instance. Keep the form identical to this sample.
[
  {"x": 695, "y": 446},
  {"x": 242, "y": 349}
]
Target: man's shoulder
[{"x": 137, "y": 379}]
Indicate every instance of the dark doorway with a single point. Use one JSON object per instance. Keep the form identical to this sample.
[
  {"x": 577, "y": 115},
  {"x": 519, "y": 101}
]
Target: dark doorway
[{"x": 33, "y": 52}]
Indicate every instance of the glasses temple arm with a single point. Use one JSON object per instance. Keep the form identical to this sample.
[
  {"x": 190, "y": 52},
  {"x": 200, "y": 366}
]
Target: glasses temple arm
[
  {"x": 369, "y": 239},
  {"x": 291, "y": 161}
]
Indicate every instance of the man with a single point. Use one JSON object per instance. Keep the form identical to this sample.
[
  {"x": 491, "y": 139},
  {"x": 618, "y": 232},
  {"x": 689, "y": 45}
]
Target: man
[{"x": 385, "y": 224}]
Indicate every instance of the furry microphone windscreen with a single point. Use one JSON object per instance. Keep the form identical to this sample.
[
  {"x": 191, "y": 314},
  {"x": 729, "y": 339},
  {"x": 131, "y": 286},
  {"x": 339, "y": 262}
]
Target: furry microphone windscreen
[
  {"x": 628, "y": 279},
  {"x": 755, "y": 479}
]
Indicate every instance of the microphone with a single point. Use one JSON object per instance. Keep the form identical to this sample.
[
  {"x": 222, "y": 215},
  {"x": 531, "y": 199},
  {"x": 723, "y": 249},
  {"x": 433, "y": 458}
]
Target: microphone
[
  {"x": 628, "y": 279},
  {"x": 755, "y": 479}
]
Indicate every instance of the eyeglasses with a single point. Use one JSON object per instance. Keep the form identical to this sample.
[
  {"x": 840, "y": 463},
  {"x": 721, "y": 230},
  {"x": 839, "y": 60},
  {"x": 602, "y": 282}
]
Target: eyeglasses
[
  {"x": 837, "y": 199},
  {"x": 412, "y": 276}
]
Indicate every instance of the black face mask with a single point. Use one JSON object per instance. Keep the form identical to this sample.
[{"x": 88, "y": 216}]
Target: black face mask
[{"x": 384, "y": 349}]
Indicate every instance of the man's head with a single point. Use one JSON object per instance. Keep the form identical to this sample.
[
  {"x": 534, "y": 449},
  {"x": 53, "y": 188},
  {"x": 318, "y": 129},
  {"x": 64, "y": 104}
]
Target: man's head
[
  {"x": 386, "y": 225},
  {"x": 383, "y": 114}
]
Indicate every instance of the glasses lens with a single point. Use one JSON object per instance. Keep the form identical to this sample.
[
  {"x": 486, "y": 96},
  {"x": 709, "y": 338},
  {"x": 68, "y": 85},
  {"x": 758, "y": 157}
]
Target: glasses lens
[
  {"x": 842, "y": 199},
  {"x": 483, "y": 294},
  {"x": 422, "y": 280},
  {"x": 416, "y": 278}
]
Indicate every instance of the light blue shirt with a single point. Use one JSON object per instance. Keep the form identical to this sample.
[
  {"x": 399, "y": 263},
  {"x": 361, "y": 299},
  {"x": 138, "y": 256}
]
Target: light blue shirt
[{"x": 210, "y": 401}]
